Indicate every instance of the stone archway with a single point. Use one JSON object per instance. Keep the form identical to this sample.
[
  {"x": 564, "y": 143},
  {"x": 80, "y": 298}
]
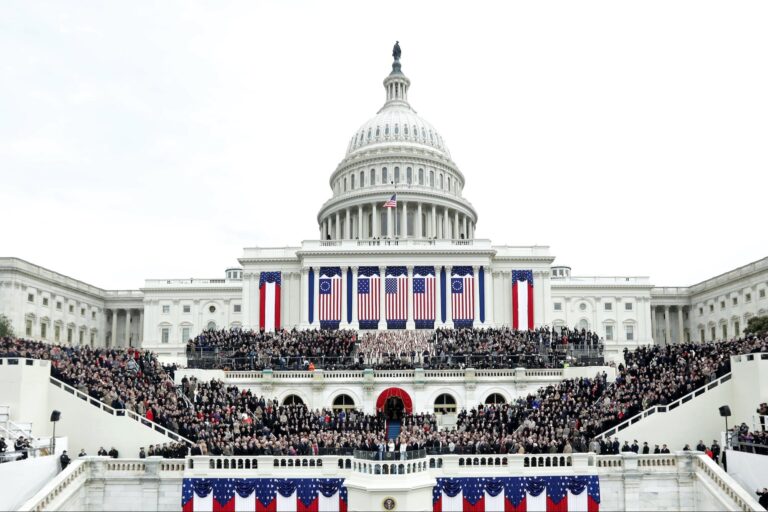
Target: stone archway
[{"x": 398, "y": 393}]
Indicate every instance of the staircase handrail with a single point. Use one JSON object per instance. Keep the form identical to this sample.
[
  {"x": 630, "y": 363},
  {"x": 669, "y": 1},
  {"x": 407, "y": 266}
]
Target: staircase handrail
[
  {"x": 120, "y": 412},
  {"x": 665, "y": 408}
]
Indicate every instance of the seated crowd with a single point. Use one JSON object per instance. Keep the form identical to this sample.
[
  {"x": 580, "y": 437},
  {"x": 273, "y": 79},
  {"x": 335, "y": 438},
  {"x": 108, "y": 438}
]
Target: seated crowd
[
  {"x": 545, "y": 347},
  {"x": 222, "y": 419}
]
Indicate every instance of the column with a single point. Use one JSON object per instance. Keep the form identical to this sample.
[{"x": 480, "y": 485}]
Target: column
[
  {"x": 382, "y": 300},
  {"x": 464, "y": 227},
  {"x": 348, "y": 226},
  {"x": 680, "y": 328},
  {"x": 246, "y": 306},
  {"x": 354, "y": 324},
  {"x": 667, "y": 337},
  {"x": 128, "y": 327},
  {"x": 476, "y": 299},
  {"x": 446, "y": 228},
  {"x": 404, "y": 221},
  {"x": 390, "y": 231},
  {"x": 456, "y": 225},
  {"x": 410, "y": 322},
  {"x": 438, "y": 291},
  {"x": 374, "y": 222},
  {"x": 141, "y": 328},
  {"x": 489, "y": 297},
  {"x": 654, "y": 334},
  {"x": 343, "y": 324},
  {"x": 448, "y": 305},
  {"x": 420, "y": 229},
  {"x": 338, "y": 226},
  {"x": 113, "y": 338},
  {"x": 304, "y": 320},
  {"x": 433, "y": 222},
  {"x": 359, "y": 223},
  {"x": 316, "y": 299}
]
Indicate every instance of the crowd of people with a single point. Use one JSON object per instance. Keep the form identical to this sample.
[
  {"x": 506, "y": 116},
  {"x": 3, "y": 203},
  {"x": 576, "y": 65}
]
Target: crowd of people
[
  {"x": 754, "y": 440},
  {"x": 544, "y": 347},
  {"x": 221, "y": 419}
]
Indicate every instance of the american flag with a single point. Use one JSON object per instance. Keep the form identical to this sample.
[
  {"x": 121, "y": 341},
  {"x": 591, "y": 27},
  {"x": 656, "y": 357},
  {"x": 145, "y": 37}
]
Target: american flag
[
  {"x": 522, "y": 299},
  {"x": 368, "y": 293},
  {"x": 462, "y": 296},
  {"x": 396, "y": 290},
  {"x": 269, "y": 301},
  {"x": 263, "y": 494},
  {"x": 330, "y": 297},
  {"x": 518, "y": 494},
  {"x": 392, "y": 202},
  {"x": 424, "y": 297}
]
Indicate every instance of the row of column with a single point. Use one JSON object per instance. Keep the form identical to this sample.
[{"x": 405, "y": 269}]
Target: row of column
[
  {"x": 410, "y": 321},
  {"x": 429, "y": 221},
  {"x": 666, "y": 335},
  {"x": 125, "y": 340}
]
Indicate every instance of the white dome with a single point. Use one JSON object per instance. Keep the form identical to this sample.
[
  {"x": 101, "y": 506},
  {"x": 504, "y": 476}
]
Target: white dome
[{"x": 397, "y": 124}]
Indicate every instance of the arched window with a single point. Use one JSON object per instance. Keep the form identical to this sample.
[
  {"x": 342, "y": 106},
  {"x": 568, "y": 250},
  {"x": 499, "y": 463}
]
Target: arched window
[
  {"x": 449, "y": 184},
  {"x": 378, "y": 132},
  {"x": 342, "y": 402},
  {"x": 409, "y": 175},
  {"x": 211, "y": 326},
  {"x": 352, "y": 181},
  {"x": 432, "y": 179},
  {"x": 369, "y": 134},
  {"x": 345, "y": 183},
  {"x": 397, "y": 175},
  {"x": 362, "y": 179},
  {"x": 386, "y": 130},
  {"x": 495, "y": 399},
  {"x": 397, "y": 129},
  {"x": 445, "y": 403},
  {"x": 441, "y": 182},
  {"x": 421, "y": 176},
  {"x": 405, "y": 129},
  {"x": 384, "y": 175},
  {"x": 372, "y": 181},
  {"x": 293, "y": 400}
]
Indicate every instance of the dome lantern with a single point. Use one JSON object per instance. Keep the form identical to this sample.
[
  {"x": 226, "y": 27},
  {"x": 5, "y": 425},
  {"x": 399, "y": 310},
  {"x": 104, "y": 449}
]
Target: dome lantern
[{"x": 396, "y": 84}]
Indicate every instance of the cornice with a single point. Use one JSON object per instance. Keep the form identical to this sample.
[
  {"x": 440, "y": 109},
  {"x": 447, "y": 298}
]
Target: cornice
[
  {"x": 399, "y": 252},
  {"x": 395, "y": 152}
]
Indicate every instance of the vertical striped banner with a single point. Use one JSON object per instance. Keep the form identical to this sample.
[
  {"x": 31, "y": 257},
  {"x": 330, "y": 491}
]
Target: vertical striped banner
[
  {"x": 368, "y": 293},
  {"x": 396, "y": 294},
  {"x": 424, "y": 297},
  {"x": 330, "y": 297},
  {"x": 462, "y": 296}
]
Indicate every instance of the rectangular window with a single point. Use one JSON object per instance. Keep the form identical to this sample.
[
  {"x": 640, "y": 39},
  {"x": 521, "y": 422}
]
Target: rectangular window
[
  {"x": 93, "y": 315},
  {"x": 31, "y": 297},
  {"x": 711, "y": 308},
  {"x": 81, "y": 336},
  {"x": 736, "y": 327},
  {"x": 43, "y": 330},
  {"x": 92, "y": 338},
  {"x": 82, "y": 311},
  {"x": 71, "y": 308},
  {"x": 609, "y": 306},
  {"x": 735, "y": 301},
  {"x": 627, "y": 306},
  {"x": 722, "y": 304},
  {"x": 558, "y": 306},
  {"x": 725, "y": 331},
  {"x": 701, "y": 311},
  {"x": 166, "y": 334},
  {"x": 762, "y": 293},
  {"x": 630, "y": 331},
  {"x": 409, "y": 175},
  {"x": 702, "y": 339},
  {"x": 58, "y": 305},
  {"x": 714, "y": 334},
  {"x": 69, "y": 335},
  {"x": 29, "y": 328},
  {"x": 166, "y": 309},
  {"x": 238, "y": 308},
  {"x": 186, "y": 308},
  {"x": 184, "y": 334},
  {"x": 45, "y": 301},
  {"x": 748, "y": 297},
  {"x": 384, "y": 176},
  {"x": 397, "y": 175},
  {"x": 57, "y": 333},
  {"x": 609, "y": 333}
]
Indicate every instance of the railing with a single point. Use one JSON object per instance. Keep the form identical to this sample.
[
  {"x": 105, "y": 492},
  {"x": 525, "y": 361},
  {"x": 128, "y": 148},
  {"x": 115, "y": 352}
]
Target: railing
[
  {"x": 705, "y": 467},
  {"x": 407, "y": 455},
  {"x": 400, "y": 243},
  {"x": 665, "y": 408},
  {"x": 75, "y": 475},
  {"x": 119, "y": 412}
]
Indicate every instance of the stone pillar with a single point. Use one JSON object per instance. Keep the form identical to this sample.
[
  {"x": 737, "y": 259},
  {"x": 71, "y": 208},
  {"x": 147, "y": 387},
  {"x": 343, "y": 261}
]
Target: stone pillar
[
  {"x": 464, "y": 227},
  {"x": 446, "y": 227},
  {"x": 316, "y": 299},
  {"x": 141, "y": 328},
  {"x": 654, "y": 334},
  {"x": 390, "y": 231},
  {"x": 374, "y": 222},
  {"x": 410, "y": 323},
  {"x": 419, "y": 232},
  {"x": 448, "y": 301},
  {"x": 113, "y": 338},
  {"x": 456, "y": 225},
  {"x": 304, "y": 320},
  {"x": 489, "y": 296},
  {"x": 476, "y": 298},
  {"x": 667, "y": 337},
  {"x": 382, "y": 299},
  {"x": 404, "y": 221},
  {"x": 343, "y": 324},
  {"x": 438, "y": 291},
  {"x": 680, "y": 328},
  {"x": 338, "y": 226},
  {"x": 433, "y": 222},
  {"x": 360, "y": 222},
  {"x": 355, "y": 324},
  {"x": 348, "y": 225},
  {"x": 128, "y": 327}
]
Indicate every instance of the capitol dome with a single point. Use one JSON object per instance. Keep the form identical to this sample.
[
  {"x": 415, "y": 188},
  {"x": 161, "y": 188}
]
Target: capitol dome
[{"x": 397, "y": 154}]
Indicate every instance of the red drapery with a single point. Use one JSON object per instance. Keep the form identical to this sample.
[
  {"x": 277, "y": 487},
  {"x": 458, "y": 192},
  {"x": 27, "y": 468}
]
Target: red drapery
[{"x": 399, "y": 393}]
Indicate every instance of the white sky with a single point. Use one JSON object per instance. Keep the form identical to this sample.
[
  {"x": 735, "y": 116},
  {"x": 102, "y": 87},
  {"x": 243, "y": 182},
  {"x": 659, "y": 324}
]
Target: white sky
[{"x": 157, "y": 139}]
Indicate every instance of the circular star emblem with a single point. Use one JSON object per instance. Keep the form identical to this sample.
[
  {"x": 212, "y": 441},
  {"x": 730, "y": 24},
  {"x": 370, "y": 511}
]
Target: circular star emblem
[
  {"x": 325, "y": 286},
  {"x": 457, "y": 285}
]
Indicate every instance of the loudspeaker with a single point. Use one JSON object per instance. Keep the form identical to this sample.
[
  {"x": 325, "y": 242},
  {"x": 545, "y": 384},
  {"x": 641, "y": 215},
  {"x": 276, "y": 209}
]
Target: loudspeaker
[
  {"x": 55, "y": 416},
  {"x": 725, "y": 411}
]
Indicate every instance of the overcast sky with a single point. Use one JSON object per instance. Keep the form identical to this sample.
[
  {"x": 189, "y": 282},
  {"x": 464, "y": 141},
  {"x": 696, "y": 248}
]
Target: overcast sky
[{"x": 157, "y": 139}]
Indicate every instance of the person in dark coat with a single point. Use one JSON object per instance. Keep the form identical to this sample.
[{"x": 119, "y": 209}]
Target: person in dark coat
[{"x": 64, "y": 460}]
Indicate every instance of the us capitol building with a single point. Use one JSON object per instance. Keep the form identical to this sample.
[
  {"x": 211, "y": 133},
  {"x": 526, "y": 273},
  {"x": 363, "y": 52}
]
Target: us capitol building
[{"x": 424, "y": 238}]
